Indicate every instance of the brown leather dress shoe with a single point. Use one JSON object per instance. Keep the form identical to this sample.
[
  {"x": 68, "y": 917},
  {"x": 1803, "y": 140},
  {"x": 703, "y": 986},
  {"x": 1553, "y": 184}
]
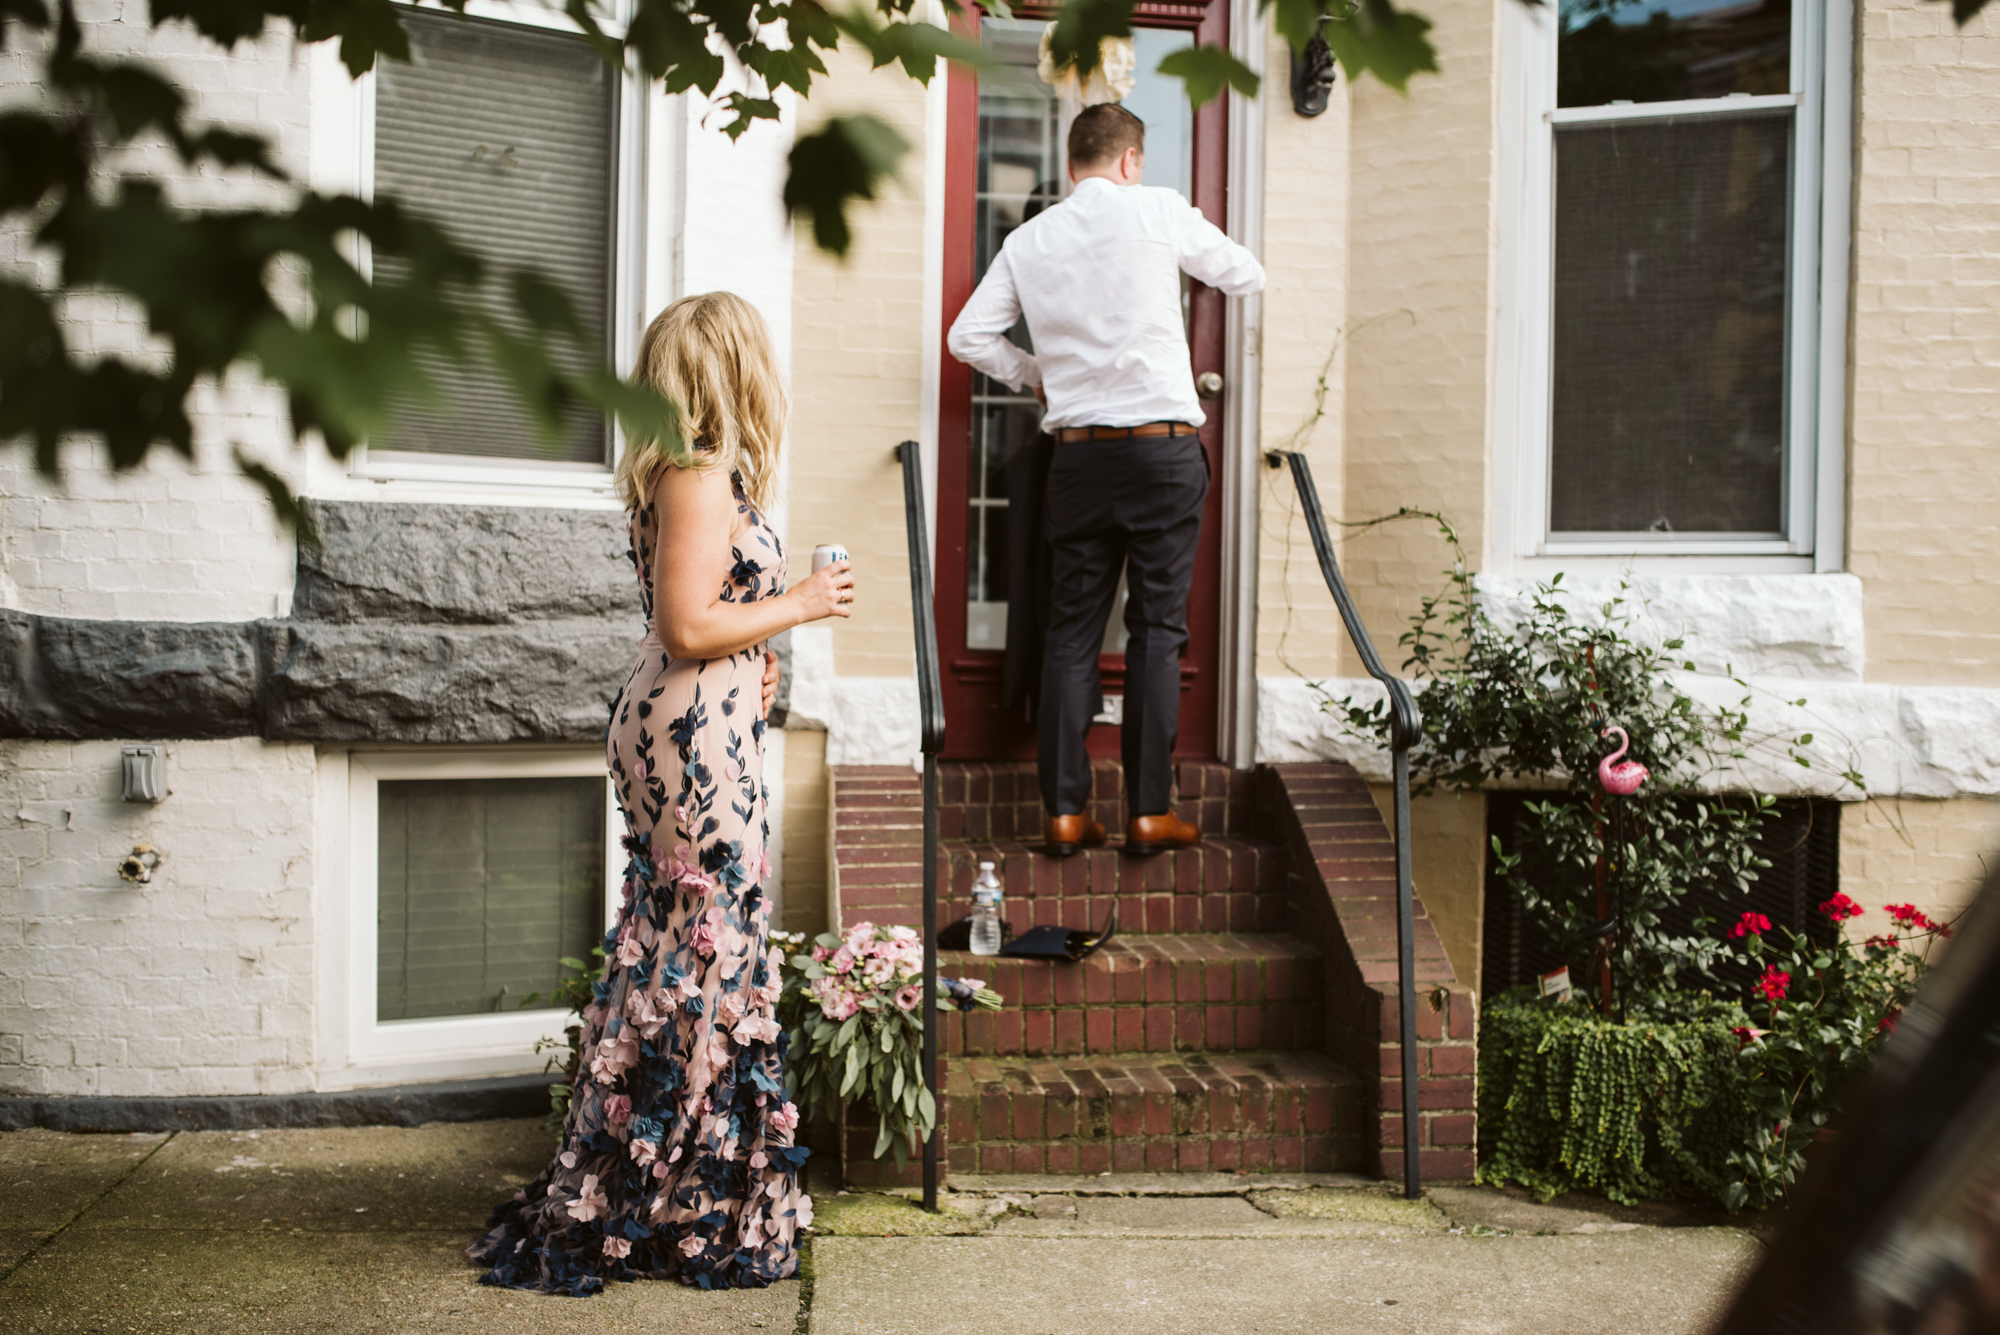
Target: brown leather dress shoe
[
  {"x": 1066, "y": 834},
  {"x": 1155, "y": 834}
]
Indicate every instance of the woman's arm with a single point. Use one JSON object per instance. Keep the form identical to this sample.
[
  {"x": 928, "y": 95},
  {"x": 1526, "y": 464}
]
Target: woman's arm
[{"x": 697, "y": 514}]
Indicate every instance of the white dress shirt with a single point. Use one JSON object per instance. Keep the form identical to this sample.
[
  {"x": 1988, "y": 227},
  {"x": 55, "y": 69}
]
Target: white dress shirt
[{"x": 1097, "y": 276}]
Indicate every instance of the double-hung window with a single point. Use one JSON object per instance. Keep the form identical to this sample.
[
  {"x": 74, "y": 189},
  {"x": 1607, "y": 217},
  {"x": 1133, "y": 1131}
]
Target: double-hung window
[
  {"x": 517, "y": 137},
  {"x": 1674, "y": 369}
]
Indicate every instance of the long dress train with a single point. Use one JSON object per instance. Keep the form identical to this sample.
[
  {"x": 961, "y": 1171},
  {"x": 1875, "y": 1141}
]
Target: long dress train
[{"x": 677, "y": 1154}]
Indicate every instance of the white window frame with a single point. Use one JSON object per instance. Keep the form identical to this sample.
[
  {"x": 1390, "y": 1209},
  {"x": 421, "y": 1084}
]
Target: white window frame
[
  {"x": 533, "y": 480},
  {"x": 1816, "y": 321},
  {"x": 360, "y": 1048}
]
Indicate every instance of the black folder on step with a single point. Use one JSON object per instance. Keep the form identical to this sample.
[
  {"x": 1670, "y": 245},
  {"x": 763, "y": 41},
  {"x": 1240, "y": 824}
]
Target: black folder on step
[{"x": 1037, "y": 943}]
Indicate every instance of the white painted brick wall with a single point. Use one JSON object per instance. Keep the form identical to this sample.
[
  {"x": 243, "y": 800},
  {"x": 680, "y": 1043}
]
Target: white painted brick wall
[
  {"x": 198, "y": 983},
  {"x": 171, "y": 541}
]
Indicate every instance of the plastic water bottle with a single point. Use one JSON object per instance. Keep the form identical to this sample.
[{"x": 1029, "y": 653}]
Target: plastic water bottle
[{"x": 986, "y": 896}]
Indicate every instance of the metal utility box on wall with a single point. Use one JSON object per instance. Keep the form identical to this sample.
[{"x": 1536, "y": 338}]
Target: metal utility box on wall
[{"x": 143, "y": 774}]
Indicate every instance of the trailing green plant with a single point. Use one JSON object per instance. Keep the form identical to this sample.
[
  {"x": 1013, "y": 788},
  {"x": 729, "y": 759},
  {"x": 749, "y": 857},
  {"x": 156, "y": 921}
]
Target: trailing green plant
[
  {"x": 1688, "y": 1093},
  {"x": 1572, "y": 1101},
  {"x": 852, "y": 1007}
]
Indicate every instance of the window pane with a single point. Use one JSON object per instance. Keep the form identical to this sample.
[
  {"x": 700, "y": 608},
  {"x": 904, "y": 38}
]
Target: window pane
[
  {"x": 1670, "y": 277},
  {"x": 1667, "y": 50},
  {"x": 1023, "y": 169},
  {"x": 482, "y": 886},
  {"x": 504, "y": 135}
]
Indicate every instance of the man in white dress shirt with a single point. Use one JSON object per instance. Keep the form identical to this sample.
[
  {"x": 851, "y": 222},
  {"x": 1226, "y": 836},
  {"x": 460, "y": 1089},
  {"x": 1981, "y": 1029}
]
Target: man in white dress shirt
[{"x": 1098, "y": 278}]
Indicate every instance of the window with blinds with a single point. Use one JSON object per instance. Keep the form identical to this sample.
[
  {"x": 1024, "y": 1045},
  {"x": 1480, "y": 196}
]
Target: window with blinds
[
  {"x": 482, "y": 886},
  {"x": 505, "y": 135},
  {"x": 1674, "y": 342}
]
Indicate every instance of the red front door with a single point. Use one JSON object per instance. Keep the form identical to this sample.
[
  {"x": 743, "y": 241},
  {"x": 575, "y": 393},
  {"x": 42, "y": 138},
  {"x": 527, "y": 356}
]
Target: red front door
[{"x": 1003, "y": 160}]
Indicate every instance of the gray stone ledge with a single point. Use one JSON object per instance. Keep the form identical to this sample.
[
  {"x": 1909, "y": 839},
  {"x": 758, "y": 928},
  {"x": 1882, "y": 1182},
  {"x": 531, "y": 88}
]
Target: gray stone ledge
[
  {"x": 399, "y": 1105},
  {"x": 465, "y": 564}
]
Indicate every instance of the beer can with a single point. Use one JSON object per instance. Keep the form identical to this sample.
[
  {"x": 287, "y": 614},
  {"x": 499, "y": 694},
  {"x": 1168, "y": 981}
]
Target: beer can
[{"x": 826, "y": 554}]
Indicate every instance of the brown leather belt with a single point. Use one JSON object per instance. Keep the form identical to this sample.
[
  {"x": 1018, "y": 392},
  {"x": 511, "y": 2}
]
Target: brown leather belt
[{"x": 1069, "y": 435}]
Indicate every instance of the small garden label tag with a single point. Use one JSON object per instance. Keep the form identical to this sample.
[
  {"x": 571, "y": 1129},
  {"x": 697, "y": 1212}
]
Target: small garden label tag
[{"x": 1556, "y": 984}]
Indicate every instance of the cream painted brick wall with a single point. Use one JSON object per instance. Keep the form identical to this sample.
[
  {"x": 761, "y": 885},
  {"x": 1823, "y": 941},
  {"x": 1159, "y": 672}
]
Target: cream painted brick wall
[
  {"x": 857, "y": 378},
  {"x": 805, "y": 851},
  {"x": 1305, "y": 318},
  {"x": 198, "y": 983},
  {"x": 170, "y": 541},
  {"x": 1910, "y": 851},
  {"x": 1420, "y": 270},
  {"x": 1924, "y": 486}
]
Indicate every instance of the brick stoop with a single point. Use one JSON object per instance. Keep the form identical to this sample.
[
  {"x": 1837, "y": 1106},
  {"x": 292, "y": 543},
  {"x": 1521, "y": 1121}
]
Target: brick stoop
[
  {"x": 1342, "y": 895},
  {"x": 1244, "y": 1017},
  {"x": 1198, "y": 1113}
]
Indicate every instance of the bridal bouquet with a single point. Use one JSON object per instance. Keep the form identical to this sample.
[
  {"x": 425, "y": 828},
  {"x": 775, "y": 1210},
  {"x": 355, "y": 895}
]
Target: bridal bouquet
[{"x": 853, "y": 1007}]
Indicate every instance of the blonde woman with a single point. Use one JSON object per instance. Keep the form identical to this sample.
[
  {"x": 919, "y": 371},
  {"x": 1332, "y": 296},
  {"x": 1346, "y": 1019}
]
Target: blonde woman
[{"x": 677, "y": 1156}]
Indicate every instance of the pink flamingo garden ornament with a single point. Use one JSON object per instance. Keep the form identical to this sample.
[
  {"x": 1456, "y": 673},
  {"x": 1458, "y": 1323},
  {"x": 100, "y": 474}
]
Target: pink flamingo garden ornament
[{"x": 1620, "y": 779}]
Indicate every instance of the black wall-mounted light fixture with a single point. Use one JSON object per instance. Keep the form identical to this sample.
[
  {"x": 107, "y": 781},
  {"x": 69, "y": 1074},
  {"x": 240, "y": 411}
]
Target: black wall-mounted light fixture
[{"x": 1313, "y": 73}]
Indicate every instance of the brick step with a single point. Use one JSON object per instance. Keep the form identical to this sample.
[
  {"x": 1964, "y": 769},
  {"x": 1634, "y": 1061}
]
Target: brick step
[
  {"x": 1144, "y": 994},
  {"x": 1222, "y": 884},
  {"x": 1003, "y": 799},
  {"x": 1226, "y": 1112}
]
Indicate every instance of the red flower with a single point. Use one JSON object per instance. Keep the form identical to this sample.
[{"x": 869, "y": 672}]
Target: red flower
[
  {"x": 1840, "y": 908},
  {"x": 1885, "y": 942},
  {"x": 1750, "y": 924},
  {"x": 1746, "y": 1036},
  {"x": 1916, "y": 920},
  {"x": 1889, "y": 1022},
  {"x": 1774, "y": 984}
]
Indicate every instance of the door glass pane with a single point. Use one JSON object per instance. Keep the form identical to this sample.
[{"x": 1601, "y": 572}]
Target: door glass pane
[
  {"x": 1612, "y": 51},
  {"x": 1023, "y": 169},
  {"x": 1670, "y": 276},
  {"x": 504, "y": 135},
  {"x": 482, "y": 885}
]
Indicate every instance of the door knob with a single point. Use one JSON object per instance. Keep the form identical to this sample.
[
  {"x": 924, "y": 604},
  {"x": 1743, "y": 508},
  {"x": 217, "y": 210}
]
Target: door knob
[{"x": 1209, "y": 384}]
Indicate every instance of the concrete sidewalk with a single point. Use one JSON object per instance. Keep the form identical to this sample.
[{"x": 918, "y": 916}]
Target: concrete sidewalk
[{"x": 363, "y": 1230}]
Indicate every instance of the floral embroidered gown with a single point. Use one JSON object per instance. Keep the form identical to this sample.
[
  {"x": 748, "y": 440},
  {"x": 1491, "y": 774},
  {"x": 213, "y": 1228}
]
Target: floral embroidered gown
[{"x": 677, "y": 1155}]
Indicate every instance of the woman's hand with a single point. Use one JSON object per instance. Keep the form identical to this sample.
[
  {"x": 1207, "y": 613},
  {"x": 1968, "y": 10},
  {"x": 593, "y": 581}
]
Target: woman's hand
[
  {"x": 770, "y": 681},
  {"x": 825, "y": 593}
]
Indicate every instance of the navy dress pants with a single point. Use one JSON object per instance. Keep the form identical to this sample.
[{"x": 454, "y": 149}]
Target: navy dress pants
[{"x": 1118, "y": 505}]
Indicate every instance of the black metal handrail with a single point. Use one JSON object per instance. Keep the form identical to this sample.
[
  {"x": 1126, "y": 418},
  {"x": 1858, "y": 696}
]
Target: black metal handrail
[
  {"x": 930, "y": 697},
  {"x": 1405, "y": 726}
]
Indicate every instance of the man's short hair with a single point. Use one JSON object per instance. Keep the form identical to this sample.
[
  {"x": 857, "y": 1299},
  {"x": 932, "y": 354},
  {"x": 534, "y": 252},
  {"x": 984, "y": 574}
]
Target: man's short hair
[{"x": 1102, "y": 132}]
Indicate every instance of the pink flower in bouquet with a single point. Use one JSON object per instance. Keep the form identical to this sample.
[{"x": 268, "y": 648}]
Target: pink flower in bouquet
[
  {"x": 819, "y": 954},
  {"x": 838, "y": 1005},
  {"x": 590, "y": 1203},
  {"x": 907, "y": 998},
  {"x": 618, "y": 1109},
  {"x": 787, "y": 1117},
  {"x": 617, "y": 1248},
  {"x": 879, "y": 970},
  {"x": 842, "y": 961}
]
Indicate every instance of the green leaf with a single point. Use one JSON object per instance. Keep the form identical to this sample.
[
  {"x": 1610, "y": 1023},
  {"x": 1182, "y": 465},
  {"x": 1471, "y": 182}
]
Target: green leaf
[
  {"x": 1207, "y": 70},
  {"x": 852, "y": 1071},
  {"x": 1077, "y": 37},
  {"x": 926, "y": 1107},
  {"x": 848, "y": 158}
]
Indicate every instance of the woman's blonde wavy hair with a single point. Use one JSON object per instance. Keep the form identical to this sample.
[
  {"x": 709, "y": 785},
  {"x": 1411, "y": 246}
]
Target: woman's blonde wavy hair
[{"x": 710, "y": 356}]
